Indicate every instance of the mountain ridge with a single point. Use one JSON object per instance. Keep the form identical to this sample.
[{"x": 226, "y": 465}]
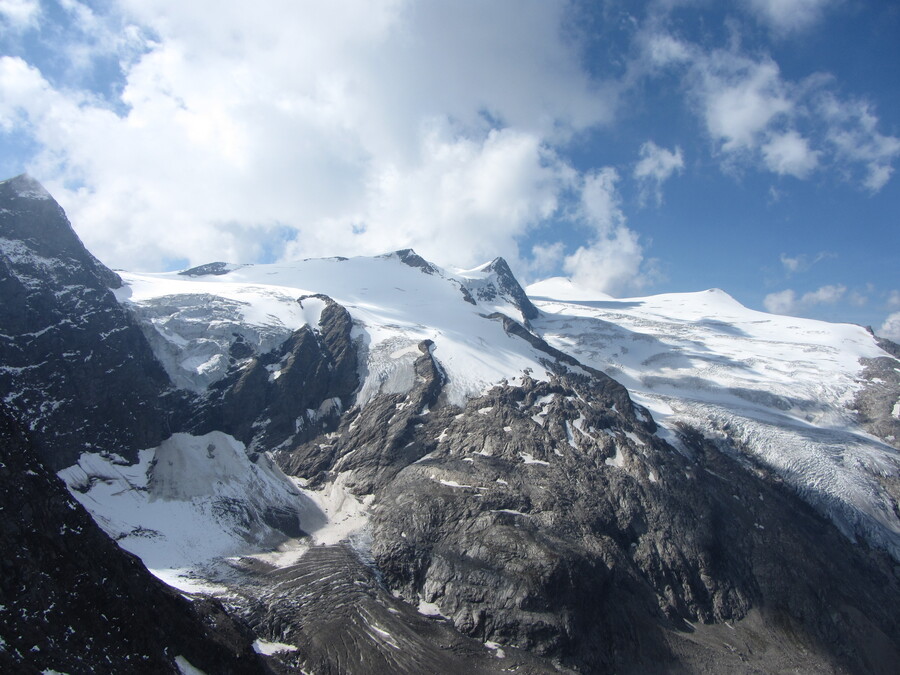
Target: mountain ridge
[{"x": 388, "y": 457}]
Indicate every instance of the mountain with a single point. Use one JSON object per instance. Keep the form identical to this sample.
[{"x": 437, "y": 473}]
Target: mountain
[{"x": 380, "y": 465}]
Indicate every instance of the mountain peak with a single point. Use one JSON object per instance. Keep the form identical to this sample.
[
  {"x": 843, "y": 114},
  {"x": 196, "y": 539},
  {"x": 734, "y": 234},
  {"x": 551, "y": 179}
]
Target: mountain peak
[
  {"x": 409, "y": 257},
  {"x": 26, "y": 187},
  {"x": 496, "y": 279},
  {"x": 29, "y": 215}
]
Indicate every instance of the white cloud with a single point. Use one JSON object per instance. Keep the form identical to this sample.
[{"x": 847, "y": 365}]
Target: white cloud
[
  {"x": 344, "y": 126},
  {"x": 825, "y": 295},
  {"x": 612, "y": 261},
  {"x": 545, "y": 258},
  {"x": 792, "y": 265},
  {"x": 781, "y": 302},
  {"x": 854, "y": 135},
  {"x": 741, "y": 98},
  {"x": 893, "y": 299},
  {"x": 20, "y": 14},
  {"x": 788, "y": 302},
  {"x": 756, "y": 117},
  {"x": 802, "y": 262},
  {"x": 785, "y": 16},
  {"x": 789, "y": 154},
  {"x": 655, "y": 167},
  {"x": 891, "y": 327}
]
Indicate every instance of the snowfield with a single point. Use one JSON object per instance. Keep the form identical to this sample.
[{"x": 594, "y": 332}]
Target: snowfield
[
  {"x": 394, "y": 307},
  {"x": 778, "y": 386}
]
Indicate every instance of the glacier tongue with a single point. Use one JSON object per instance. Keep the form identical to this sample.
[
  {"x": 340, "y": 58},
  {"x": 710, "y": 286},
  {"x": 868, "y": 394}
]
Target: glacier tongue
[{"x": 776, "y": 388}]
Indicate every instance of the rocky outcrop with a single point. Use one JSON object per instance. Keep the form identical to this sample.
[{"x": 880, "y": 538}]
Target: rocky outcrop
[
  {"x": 72, "y": 361},
  {"x": 72, "y": 601},
  {"x": 543, "y": 518},
  {"x": 290, "y": 394},
  {"x": 345, "y": 622},
  {"x": 374, "y": 441},
  {"x": 878, "y": 402}
]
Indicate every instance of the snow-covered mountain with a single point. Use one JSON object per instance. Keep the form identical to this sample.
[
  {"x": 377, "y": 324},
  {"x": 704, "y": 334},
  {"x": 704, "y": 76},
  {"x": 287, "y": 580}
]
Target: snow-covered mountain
[
  {"x": 385, "y": 466},
  {"x": 784, "y": 391}
]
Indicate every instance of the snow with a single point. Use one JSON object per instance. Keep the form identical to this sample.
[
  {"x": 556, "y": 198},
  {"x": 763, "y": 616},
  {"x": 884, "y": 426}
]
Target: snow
[
  {"x": 529, "y": 459},
  {"x": 269, "y": 648},
  {"x": 189, "y": 502},
  {"x": 495, "y": 647},
  {"x": 185, "y": 667},
  {"x": 394, "y": 307},
  {"x": 344, "y": 514},
  {"x": 896, "y": 411},
  {"x": 778, "y": 385},
  {"x": 430, "y": 609},
  {"x": 617, "y": 460}
]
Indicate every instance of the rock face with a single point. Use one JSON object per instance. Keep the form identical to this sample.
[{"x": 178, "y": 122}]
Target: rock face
[
  {"x": 500, "y": 282},
  {"x": 549, "y": 517},
  {"x": 72, "y": 601},
  {"x": 72, "y": 361},
  {"x": 878, "y": 402},
  {"x": 291, "y": 393}
]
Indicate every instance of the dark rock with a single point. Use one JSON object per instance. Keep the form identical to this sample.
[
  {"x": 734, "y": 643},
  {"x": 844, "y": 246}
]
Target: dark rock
[
  {"x": 377, "y": 440},
  {"x": 72, "y": 601},
  {"x": 73, "y": 362},
  {"x": 409, "y": 257},
  {"x": 291, "y": 394},
  {"x": 213, "y": 268},
  {"x": 335, "y": 608},
  {"x": 875, "y": 402},
  {"x": 502, "y": 283}
]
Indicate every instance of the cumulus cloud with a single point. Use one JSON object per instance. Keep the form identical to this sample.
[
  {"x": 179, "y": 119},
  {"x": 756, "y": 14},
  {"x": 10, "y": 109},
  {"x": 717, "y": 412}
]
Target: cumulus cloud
[
  {"x": 741, "y": 98},
  {"x": 788, "y": 302},
  {"x": 786, "y": 16},
  {"x": 19, "y": 15},
  {"x": 545, "y": 258},
  {"x": 318, "y": 127},
  {"x": 612, "y": 261},
  {"x": 756, "y": 117},
  {"x": 789, "y": 154},
  {"x": 853, "y": 134},
  {"x": 893, "y": 299},
  {"x": 655, "y": 167},
  {"x": 891, "y": 327}
]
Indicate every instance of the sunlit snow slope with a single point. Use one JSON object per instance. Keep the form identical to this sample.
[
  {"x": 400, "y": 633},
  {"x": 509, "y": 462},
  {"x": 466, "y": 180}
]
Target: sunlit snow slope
[
  {"x": 396, "y": 301},
  {"x": 776, "y": 388}
]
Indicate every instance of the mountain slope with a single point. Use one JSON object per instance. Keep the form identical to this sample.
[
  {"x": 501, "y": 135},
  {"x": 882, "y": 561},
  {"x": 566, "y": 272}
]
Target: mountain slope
[
  {"x": 782, "y": 390},
  {"x": 401, "y": 468},
  {"x": 72, "y": 601},
  {"x": 62, "y": 334}
]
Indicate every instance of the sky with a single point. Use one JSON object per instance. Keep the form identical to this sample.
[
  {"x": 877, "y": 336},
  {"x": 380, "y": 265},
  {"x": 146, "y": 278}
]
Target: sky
[{"x": 636, "y": 147}]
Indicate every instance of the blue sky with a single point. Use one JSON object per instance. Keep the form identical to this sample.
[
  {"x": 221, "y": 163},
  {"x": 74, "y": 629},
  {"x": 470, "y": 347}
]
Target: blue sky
[{"x": 636, "y": 147}]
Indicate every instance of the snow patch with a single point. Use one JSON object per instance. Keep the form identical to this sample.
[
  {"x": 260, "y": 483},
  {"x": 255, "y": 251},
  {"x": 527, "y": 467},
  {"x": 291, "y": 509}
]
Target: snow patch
[
  {"x": 430, "y": 609},
  {"x": 185, "y": 668},
  {"x": 496, "y": 648},
  {"x": 528, "y": 458},
  {"x": 617, "y": 460},
  {"x": 261, "y": 646},
  {"x": 189, "y": 502}
]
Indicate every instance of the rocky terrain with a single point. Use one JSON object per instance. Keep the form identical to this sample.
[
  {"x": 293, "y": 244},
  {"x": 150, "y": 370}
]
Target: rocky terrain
[
  {"x": 72, "y": 601},
  {"x": 377, "y": 465}
]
